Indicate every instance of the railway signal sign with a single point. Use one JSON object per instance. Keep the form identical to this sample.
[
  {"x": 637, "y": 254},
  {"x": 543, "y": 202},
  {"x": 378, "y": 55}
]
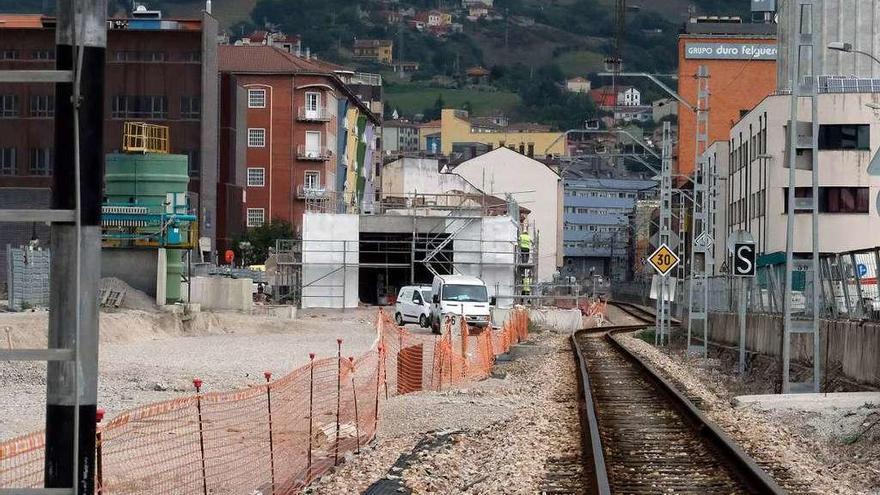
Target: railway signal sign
[
  {"x": 664, "y": 260},
  {"x": 704, "y": 240},
  {"x": 745, "y": 258}
]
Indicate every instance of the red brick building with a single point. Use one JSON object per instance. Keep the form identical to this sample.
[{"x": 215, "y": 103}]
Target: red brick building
[
  {"x": 294, "y": 129},
  {"x": 741, "y": 58},
  {"x": 158, "y": 70}
]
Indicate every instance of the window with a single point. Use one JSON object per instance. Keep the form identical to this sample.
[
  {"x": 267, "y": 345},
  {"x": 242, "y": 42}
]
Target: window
[
  {"x": 844, "y": 137},
  {"x": 8, "y": 106},
  {"x": 190, "y": 107},
  {"x": 831, "y": 199},
  {"x": 44, "y": 54},
  {"x": 256, "y": 176},
  {"x": 312, "y": 180},
  {"x": 256, "y": 138},
  {"x": 7, "y": 161},
  {"x": 41, "y": 161},
  {"x": 42, "y": 106},
  {"x": 144, "y": 107},
  {"x": 313, "y": 143},
  {"x": 135, "y": 56},
  {"x": 195, "y": 164},
  {"x": 256, "y": 98},
  {"x": 256, "y": 217},
  {"x": 8, "y": 54},
  {"x": 125, "y": 56},
  {"x": 313, "y": 102},
  {"x": 192, "y": 57}
]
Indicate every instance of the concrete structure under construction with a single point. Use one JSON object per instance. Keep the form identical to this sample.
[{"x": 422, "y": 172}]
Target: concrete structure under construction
[{"x": 345, "y": 259}]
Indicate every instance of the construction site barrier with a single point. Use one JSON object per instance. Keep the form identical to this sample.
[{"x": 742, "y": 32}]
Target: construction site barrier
[{"x": 277, "y": 437}]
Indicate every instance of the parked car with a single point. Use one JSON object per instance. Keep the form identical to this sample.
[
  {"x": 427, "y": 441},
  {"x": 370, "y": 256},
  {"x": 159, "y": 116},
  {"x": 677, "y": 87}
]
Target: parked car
[
  {"x": 459, "y": 295},
  {"x": 413, "y": 305}
]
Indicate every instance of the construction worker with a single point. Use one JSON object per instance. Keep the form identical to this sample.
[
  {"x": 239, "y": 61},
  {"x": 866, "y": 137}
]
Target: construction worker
[
  {"x": 525, "y": 244},
  {"x": 527, "y": 285}
]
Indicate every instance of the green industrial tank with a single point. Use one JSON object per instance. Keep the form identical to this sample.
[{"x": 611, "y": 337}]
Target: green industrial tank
[{"x": 146, "y": 179}]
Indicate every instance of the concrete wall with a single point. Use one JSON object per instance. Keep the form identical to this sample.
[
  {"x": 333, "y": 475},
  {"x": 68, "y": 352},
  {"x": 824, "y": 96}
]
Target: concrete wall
[
  {"x": 136, "y": 267},
  {"x": 853, "y": 344},
  {"x": 408, "y": 176},
  {"x": 534, "y": 186},
  {"x": 329, "y": 242},
  {"x": 853, "y": 21},
  {"x": 223, "y": 293},
  {"x": 490, "y": 240},
  {"x": 210, "y": 95}
]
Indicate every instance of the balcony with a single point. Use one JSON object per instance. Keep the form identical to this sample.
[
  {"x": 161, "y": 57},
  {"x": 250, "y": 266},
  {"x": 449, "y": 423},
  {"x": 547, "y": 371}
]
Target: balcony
[
  {"x": 311, "y": 192},
  {"x": 313, "y": 115},
  {"x": 319, "y": 154}
]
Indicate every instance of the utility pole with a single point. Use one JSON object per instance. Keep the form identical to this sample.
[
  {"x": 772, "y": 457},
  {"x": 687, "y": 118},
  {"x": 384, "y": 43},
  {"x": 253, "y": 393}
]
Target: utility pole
[
  {"x": 804, "y": 38},
  {"x": 664, "y": 235},
  {"x": 701, "y": 258},
  {"x": 71, "y": 393}
]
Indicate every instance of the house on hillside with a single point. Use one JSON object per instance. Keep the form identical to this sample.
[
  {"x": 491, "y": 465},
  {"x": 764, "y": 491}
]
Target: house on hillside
[
  {"x": 578, "y": 85},
  {"x": 380, "y": 51},
  {"x": 477, "y": 75}
]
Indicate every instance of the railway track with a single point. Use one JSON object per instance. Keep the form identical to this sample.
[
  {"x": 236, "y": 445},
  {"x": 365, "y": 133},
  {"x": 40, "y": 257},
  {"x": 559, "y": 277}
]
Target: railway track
[{"x": 643, "y": 436}]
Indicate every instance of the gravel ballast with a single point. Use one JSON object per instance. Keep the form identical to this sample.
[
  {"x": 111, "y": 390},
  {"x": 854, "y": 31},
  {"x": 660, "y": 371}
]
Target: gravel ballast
[{"x": 498, "y": 433}]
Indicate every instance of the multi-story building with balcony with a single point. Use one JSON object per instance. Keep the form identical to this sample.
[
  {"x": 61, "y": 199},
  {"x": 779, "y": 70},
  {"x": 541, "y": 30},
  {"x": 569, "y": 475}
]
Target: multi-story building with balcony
[{"x": 308, "y": 137}]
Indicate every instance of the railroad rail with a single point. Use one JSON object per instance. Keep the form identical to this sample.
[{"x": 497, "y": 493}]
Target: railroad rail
[{"x": 641, "y": 435}]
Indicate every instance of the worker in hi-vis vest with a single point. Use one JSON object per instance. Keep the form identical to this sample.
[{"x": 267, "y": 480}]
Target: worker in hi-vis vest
[{"x": 525, "y": 244}]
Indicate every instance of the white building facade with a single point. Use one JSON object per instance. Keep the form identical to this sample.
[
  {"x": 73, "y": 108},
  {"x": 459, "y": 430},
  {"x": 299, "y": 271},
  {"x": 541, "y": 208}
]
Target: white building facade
[{"x": 758, "y": 175}]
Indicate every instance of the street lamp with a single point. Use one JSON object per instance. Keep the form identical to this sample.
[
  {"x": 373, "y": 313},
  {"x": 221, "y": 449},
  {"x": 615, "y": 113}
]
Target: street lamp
[{"x": 842, "y": 46}]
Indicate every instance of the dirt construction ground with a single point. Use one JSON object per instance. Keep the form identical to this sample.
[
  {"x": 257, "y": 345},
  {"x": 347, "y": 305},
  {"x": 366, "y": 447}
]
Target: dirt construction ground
[{"x": 148, "y": 356}]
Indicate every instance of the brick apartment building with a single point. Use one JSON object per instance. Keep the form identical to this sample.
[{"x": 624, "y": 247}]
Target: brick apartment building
[
  {"x": 741, "y": 58},
  {"x": 305, "y": 132},
  {"x": 161, "y": 71}
]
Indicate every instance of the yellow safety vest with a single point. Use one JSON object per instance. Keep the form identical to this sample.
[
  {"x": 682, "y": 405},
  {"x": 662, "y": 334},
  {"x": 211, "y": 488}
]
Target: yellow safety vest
[{"x": 525, "y": 240}]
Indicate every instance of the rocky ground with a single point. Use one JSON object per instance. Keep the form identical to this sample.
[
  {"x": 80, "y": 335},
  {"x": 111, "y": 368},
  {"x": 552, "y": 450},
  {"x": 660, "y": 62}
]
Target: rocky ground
[
  {"x": 497, "y": 436},
  {"x": 148, "y": 356},
  {"x": 836, "y": 450}
]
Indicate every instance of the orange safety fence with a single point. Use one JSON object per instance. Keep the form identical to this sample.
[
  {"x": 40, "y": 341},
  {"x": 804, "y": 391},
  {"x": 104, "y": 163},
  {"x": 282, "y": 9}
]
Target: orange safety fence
[{"x": 277, "y": 437}]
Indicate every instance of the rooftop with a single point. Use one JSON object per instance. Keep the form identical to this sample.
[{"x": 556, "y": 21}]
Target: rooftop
[
  {"x": 40, "y": 21},
  {"x": 269, "y": 59},
  {"x": 727, "y": 26}
]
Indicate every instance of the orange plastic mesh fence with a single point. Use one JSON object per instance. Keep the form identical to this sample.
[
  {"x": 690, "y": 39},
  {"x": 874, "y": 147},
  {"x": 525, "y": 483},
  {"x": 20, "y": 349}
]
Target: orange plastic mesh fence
[{"x": 277, "y": 437}]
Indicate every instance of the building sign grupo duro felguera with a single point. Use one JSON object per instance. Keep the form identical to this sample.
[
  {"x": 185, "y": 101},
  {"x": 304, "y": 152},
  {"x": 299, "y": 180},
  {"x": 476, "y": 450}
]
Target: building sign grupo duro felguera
[{"x": 730, "y": 51}]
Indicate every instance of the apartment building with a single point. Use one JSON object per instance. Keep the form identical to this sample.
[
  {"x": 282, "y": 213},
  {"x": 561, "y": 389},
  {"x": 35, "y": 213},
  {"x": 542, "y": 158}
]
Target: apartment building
[
  {"x": 597, "y": 228},
  {"x": 757, "y": 178},
  {"x": 309, "y": 139}
]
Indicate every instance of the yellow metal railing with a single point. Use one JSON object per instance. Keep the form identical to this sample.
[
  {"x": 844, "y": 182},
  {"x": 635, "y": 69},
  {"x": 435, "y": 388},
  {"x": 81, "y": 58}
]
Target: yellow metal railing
[{"x": 140, "y": 137}]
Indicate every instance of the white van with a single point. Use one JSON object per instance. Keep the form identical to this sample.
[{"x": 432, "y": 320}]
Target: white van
[
  {"x": 459, "y": 295},
  {"x": 413, "y": 305}
]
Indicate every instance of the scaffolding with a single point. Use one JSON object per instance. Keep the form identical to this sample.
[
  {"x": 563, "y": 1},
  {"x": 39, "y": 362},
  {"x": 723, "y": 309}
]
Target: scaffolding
[{"x": 445, "y": 236}]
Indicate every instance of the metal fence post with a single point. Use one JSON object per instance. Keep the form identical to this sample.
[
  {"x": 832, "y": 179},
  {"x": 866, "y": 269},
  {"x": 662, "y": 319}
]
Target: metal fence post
[
  {"x": 357, "y": 427},
  {"x": 311, "y": 411},
  {"x": 338, "y": 398},
  {"x": 268, "y": 375},
  {"x": 197, "y": 382}
]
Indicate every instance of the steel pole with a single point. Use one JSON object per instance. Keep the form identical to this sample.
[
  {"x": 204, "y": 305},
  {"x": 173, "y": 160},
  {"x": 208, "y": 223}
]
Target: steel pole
[{"x": 71, "y": 386}]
